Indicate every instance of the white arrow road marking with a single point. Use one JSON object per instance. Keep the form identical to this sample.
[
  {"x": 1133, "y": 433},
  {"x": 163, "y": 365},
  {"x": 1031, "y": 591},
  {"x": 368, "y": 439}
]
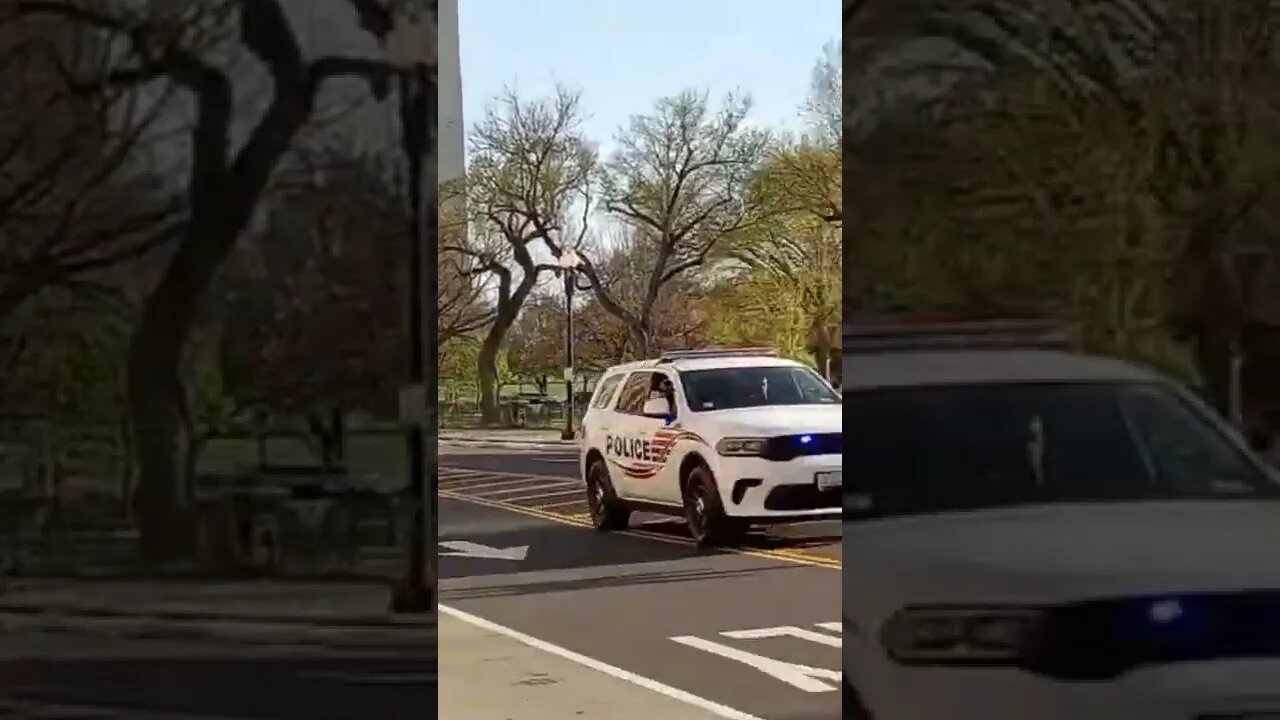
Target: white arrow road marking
[
  {"x": 466, "y": 548},
  {"x": 801, "y": 677},
  {"x": 784, "y": 631}
]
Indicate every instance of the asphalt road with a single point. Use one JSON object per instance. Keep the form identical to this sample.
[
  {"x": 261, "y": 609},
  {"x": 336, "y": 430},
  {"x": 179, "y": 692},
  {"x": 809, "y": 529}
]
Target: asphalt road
[
  {"x": 755, "y": 630},
  {"x": 63, "y": 676}
]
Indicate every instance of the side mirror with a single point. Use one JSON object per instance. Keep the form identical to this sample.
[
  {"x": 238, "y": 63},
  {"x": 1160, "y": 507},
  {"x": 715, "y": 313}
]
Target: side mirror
[{"x": 657, "y": 407}]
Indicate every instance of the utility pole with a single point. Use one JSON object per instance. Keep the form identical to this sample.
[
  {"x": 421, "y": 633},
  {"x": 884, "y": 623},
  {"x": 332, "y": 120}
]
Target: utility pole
[
  {"x": 569, "y": 263},
  {"x": 410, "y": 48}
]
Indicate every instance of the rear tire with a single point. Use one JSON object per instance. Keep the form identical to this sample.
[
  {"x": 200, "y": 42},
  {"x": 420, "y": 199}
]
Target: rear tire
[
  {"x": 608, "y": 512},
  {"x": 704, "y": 513}
]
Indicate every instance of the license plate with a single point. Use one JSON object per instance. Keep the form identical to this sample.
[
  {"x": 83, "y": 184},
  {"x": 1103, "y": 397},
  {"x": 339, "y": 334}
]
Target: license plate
[{"x": 829, "y": 480}]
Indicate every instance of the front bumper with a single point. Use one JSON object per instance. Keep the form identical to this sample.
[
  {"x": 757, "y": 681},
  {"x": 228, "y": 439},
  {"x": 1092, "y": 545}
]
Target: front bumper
[
  {"x": 783, "y": 491},
  {"x": 1220, "y": 690}
]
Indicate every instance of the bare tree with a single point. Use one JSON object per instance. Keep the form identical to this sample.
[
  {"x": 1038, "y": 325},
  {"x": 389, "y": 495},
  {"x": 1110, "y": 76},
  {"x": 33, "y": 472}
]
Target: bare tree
[
  {"x": 462, "y": 307},
  {"x": 681, "y": 179},
  {"x": 623, "y": 271},
  {"x": 824, "y": 106},
  {"x": 224, "y": 187},
  {"x": 530, "y": 165},
  {"x": 73, "y": 199}
]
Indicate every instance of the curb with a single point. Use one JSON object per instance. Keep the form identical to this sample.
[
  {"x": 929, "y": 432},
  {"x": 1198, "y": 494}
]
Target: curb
[
  {"x": 368, "y": 621},
  {"x": 415, "y": 636},
  {"x": 482, "y": 442}
]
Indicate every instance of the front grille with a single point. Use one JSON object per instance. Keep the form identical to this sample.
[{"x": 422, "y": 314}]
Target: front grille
[
  {"x": 801, "y": 497},
  {"x": 790, "y": 447}
]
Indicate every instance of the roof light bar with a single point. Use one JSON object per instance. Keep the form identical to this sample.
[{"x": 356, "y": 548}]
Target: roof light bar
[
  {"x": 716, "y": 352},
  {"x": 960, "y": 336}
]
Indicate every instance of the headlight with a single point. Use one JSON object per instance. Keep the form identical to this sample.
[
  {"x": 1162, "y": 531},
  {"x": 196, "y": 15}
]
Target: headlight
[
  {"x": 959, "y": 635},
  {"x": 741, "y": 446}
]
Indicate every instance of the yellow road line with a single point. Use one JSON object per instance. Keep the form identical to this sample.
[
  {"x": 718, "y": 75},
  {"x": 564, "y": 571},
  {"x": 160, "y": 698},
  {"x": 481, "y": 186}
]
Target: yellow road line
[
  {"x": 566, "y": 503},
  {"x": 526, "y": 498},
  {"x": 507, "y": 483},
  {"x": 580, "y": 520}
]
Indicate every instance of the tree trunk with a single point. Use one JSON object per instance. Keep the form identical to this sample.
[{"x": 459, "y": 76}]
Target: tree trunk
[
  {"x": 642, "y": 338},
  {"x": 329, "y": 431},
  {"x": 338, "y": 428},
  {"x": 160, "y": 503},
  {"x": 320, "y": 442},
  {"x": 822, "y": 358},
  {"x": 128, "y": 470},
  {"x": 157, "y": 400},
  {"x": 1213, "y": 360},
  {"x": 1217, "y": 328},
  {"x": 487, "y": 367},
  {"x": 487, "y": 361},
  {"x": 820, "y": 341}
]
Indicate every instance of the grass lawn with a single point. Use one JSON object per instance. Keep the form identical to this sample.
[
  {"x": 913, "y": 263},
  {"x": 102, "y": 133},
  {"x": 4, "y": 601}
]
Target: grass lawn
[{"x": 380, "y": 454}]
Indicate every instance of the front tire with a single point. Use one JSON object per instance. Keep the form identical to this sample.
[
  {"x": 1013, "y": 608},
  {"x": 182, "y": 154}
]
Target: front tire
[
  {"x": 704, "y": 513},
  {"x": 608, "y": 512}
]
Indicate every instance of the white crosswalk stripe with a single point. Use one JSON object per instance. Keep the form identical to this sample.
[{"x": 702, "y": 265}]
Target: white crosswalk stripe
[
  {"x": 498, "y": 448},
  {"x": 556, "y": 495}
]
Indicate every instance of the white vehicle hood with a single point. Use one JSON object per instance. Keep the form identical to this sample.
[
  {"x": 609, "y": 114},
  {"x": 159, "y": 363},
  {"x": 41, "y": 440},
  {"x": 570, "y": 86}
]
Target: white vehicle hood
[
  {"x": 779, "y": 420},
  {"x": 1048, "y": 554}
]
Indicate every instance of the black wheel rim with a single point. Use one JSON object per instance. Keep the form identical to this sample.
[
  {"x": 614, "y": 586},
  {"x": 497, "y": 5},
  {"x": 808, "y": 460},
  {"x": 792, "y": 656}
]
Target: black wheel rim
[
  {"x": 697, "y": 511},
  {"x": 595, "y": 495}
]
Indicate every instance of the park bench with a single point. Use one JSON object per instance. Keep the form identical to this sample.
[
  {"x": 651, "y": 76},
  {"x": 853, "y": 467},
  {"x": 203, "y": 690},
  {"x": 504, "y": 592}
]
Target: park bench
[{"x": 271, "y": 517}]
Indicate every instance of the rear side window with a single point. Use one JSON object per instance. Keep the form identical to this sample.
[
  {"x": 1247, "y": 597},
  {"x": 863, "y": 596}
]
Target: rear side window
[
  {"x": 635, "y": 392},
  {"x": 605, "y": 390}
]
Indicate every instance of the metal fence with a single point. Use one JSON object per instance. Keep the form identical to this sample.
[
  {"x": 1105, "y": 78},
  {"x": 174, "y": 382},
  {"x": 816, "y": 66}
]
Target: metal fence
[
  {"x": 259, "y": 505},
  {"x": 512, "y": 413}
]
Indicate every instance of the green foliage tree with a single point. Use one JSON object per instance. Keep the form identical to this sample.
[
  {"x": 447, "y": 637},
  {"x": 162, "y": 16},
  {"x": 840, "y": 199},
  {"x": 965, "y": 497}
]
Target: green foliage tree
[
  {"x": 535, "y": 345},
  {"x": 529, "y": 164},
  {"x": 63, "y": 355},
  {"x": 1112, "y": 162},
  {"x": 789, "y": 273},
  {"x": 679, "y": 183}
]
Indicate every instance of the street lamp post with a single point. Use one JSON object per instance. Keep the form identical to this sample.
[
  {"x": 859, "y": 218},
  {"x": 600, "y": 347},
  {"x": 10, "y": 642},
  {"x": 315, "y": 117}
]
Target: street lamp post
[
  {"x": 410, "y": 47},
  {"x": 569, "y": 264}
]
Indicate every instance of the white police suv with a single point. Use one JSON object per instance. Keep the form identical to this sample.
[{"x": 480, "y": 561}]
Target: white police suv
[
  {"x": 725, "y": 437},
  {"x": 1031, "y": 533}
]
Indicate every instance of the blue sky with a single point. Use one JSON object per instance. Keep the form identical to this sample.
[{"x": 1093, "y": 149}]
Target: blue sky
[{"x": 625, "y": 54}]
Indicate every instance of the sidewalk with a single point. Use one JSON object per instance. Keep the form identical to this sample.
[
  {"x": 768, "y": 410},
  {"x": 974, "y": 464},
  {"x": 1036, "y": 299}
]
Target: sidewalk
[
  {"x": 485, "y": 672},
  {"x": 502, "y": 437},
  {"x": 486, "y": 675}
]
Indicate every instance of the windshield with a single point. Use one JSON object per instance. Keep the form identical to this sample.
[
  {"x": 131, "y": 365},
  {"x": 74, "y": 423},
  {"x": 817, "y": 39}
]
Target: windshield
[
  {"x": 933, "y": 449},
  {"x": 743, "y": 387}
]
